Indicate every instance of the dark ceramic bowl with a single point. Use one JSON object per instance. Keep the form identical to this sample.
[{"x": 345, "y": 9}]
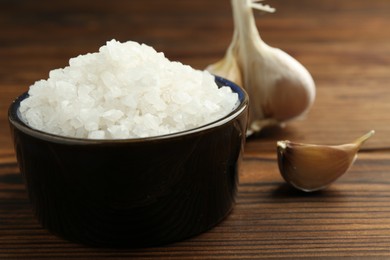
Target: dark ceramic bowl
[{"x": 132, "y": 192}]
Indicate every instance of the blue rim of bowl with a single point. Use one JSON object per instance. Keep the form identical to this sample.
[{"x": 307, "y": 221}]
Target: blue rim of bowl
[{"x": 14, "y": 118}]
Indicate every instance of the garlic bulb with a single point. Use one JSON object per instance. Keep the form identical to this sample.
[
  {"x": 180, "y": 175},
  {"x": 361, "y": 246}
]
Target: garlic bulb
[
  {"x": 311, "y": 167},
  {"x": 279, "y": 87}
]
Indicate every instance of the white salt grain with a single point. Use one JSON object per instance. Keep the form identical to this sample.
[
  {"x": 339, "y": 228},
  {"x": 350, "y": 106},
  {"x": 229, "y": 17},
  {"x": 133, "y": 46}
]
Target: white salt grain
[{"x": 126, "y": 90}]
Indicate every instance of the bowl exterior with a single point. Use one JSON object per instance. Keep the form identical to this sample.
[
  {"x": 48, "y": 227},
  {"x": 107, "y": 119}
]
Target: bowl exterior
[{"x": 132, "y": 194}]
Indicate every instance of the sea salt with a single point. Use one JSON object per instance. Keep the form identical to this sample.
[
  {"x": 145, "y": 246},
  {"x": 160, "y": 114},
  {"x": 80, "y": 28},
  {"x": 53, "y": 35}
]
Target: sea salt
[{"x": 126, "y": 90}]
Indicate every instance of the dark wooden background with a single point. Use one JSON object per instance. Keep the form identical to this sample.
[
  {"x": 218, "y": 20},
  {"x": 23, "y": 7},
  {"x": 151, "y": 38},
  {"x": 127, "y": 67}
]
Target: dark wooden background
[{"x": 344, "y": 44}]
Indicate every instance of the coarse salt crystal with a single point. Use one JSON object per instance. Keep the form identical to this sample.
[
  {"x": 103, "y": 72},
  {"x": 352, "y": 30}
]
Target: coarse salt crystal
[{"x": 126, "y": 90}]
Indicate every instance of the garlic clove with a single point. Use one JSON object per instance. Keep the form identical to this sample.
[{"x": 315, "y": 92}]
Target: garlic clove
[
  {"x": 227, "y": 68},
  {"x": 310, "y": 167}
]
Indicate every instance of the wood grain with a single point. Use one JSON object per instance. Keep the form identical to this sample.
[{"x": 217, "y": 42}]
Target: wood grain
[{"x": 344, "y": 44}]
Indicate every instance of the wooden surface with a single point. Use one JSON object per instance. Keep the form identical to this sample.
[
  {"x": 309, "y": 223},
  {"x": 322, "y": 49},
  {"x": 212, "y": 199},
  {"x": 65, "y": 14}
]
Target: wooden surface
[{"x": 344, "y": 44}]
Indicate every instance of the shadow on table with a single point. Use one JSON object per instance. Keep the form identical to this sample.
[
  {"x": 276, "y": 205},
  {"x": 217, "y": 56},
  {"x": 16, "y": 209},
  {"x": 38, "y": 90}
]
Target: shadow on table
[{"x": 285, "y": 190}]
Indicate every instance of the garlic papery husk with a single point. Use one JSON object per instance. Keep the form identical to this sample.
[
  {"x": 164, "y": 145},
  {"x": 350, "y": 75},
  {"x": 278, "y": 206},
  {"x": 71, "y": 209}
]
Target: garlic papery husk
[
  {"x": 279, "y": 87},
  {"x": 227, "y": 67},
  {"x": 310, "y": 167}
]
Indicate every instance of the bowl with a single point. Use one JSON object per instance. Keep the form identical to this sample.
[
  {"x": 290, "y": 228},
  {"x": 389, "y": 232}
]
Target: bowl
[{"x": 132, "y": 192}]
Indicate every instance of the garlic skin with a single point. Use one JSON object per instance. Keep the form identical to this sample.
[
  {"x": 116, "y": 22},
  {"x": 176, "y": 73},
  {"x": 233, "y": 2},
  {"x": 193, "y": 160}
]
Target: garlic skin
[
  {"x": 279, "y": 87},
  {"x": 227, "y": 68},
  {"x": 310, "y": 167}
]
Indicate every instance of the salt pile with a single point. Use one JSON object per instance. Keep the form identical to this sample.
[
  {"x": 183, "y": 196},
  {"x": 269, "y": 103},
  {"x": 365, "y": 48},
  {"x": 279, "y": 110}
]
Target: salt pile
[{"x": 126, "y": 90}]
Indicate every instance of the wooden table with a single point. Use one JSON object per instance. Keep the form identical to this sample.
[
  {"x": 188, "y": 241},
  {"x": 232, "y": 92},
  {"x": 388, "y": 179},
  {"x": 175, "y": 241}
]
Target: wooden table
[{"x": 344, "y": 44}]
